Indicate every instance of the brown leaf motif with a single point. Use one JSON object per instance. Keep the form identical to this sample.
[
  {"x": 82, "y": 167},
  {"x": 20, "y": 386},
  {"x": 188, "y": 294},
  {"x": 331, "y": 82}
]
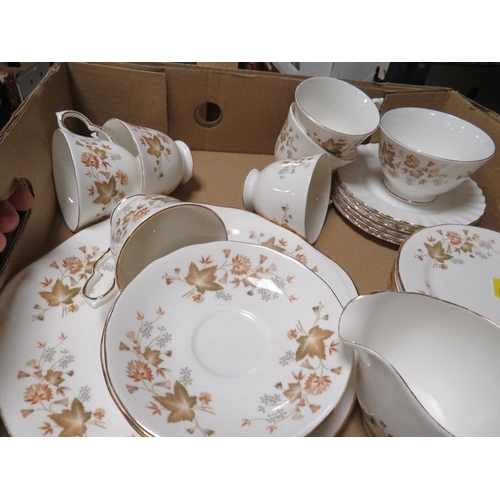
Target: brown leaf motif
[
  {"x": 155, "y": 146},
  {"x": 313, "y": 344},
  {"x": 179, "y": 403},
  {"x": 60, "y": 294},
  {"x": 437, "y": 252},
  {"x": 106, "y": 190},
  {"x": 203, "y": 279},
  {"x": 72, "y": 421}
]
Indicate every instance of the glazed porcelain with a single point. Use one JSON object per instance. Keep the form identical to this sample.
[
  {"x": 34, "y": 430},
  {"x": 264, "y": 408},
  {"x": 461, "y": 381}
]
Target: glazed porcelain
[
  {"x": 335, "y": 114},
  {"x": 425, "y": 153},
  {"x": 225, "y": 339},
  {"x": 90, "y": 176},
  {"x": 165, "y": 163},
  {"x": 293, "y": 142},
  {"x": 426, "y": 367},
  {"x": 146, "y": 227},
  {"x": 456, "y": 263},
  {"x": 52, "y": 380},
  {"x": 361, "y": 188},
  {"x": 292, "y": 193}
]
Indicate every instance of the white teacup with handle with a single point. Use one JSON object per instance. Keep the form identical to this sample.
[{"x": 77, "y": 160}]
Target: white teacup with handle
[
  {"x": 91, "y": 175},
  {"x": 145, "y": 228}
]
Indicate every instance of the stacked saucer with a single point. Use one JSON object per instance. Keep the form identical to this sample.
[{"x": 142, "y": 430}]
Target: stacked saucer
[
  {"x": 359, "y": 194},
  {"x": 453, "y": 262}
]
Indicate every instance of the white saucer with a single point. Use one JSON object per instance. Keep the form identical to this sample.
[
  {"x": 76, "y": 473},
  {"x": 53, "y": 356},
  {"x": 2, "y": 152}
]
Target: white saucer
[
  {"x": 226, "y": 339},
  {"x": 456, "y": 263},
  {"x": 364, "y": 180},
  {"x": 67, "y": 340}
]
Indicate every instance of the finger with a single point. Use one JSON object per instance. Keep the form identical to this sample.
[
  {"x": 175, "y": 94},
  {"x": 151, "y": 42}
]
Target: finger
[
  {"x": 21, "y": 199},
  {"x": 3, "y": 242},
  {"x": 9, "y": 218}
]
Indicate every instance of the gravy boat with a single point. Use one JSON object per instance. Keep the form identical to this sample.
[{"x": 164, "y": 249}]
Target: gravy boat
[{"x": 426, "y": 367}]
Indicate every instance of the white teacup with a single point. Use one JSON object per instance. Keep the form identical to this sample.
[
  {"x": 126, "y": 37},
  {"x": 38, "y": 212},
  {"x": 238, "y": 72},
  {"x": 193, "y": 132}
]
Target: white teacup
[
  {"x": 335, "y": 114},
  {"x": 425, "y": 153},
  {"x": 165, "y": 163},
  {"x": 90, "y": 176},
  {"x": 293, "y": 142},
  {"x": 292, "y": 193},
  {"x": 145, "y": 228}
]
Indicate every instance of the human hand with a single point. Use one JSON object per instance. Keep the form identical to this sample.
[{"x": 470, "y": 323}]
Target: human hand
[{"x": 20, "y": 200}]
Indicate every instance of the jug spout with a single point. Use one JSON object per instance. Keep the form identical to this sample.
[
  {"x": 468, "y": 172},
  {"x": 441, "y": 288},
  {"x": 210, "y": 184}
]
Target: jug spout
[{"x": 389, "y": 406}]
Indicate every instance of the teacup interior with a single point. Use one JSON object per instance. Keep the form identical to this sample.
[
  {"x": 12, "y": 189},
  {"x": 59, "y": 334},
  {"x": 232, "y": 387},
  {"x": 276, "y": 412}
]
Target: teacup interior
[
  {"x": 65, "y": 180},
  {"x": 437, "y": 134},
  {"x": 164, "y": 232},
  {"x": 447, "y": 355},
  {"x": 121, "y": 135},
  {"x": 338, "y": 106}
]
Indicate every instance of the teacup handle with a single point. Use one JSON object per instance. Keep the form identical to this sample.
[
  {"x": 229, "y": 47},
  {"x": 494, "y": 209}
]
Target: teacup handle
[
  {"x": 92, "y": 281},
  {"x": 378, "y": 101},
  {"x": 63, "y": 115}
]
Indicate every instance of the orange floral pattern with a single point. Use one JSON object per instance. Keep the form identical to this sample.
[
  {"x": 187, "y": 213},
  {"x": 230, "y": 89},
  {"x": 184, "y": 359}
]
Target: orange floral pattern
[
  {"x": 286, "y": 139},
  {"x": 450, "y": 247},
  {"x": 62, "y": 287},
  {"x": 315, "y": 353},
  {"x": 133, "y": 212},
  {"x": 147, "y": 370},
  {"x": 106, "y": 180},
  {"x": 155, "y": 144},
  {"x": 217, "y": 273},
  {"x": 49, "y": 392},
  {"x": 411, "y": 167}
]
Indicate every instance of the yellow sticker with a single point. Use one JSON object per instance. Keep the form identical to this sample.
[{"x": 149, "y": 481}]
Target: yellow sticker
[{"x": 496, "y": 287}]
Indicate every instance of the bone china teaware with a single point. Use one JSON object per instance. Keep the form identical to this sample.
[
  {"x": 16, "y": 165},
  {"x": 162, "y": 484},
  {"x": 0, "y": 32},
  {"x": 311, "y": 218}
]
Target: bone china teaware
[
  {"x": 145, "y": 228},
  {"x": 90, "y": 175},
  {"x": 293, "y": 142},
  {"x": 425, "y": 153},
  {"x": 426, "y": 367},
  {"x": 165, "y": 163},
  {"x": 335, "y": 114},
  {"x": 292, "y": 193}
]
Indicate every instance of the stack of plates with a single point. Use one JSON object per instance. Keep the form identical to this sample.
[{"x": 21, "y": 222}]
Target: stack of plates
[
  {"x": 452, "y": 262},
  {"x": 359, "y": 195}
]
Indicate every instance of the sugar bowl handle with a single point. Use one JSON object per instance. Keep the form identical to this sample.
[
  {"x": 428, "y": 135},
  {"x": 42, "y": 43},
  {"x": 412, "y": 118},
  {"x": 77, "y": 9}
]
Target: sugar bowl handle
[{"x": 94, "y": 279}]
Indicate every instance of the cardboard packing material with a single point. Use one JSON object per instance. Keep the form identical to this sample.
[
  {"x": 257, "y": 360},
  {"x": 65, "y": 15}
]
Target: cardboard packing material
[{"x": 233, "y": 133}]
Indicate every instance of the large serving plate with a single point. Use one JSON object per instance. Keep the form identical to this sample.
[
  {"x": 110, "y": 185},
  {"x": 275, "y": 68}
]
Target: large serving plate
[
  {"x": 226, "y": 339},
  {"x": 50, "y": 368},
  {"x": 457, "y": 263}
]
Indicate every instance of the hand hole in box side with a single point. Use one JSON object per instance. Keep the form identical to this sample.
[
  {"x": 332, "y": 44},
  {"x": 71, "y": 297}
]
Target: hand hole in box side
[
  {"x": 208, "y": 114},
  {"x": 22, "y": 200}
]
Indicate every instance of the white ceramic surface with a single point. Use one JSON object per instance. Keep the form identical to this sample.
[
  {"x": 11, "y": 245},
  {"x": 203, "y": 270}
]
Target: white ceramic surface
[
  {"x": 425, "y": 153},
  {"x": 364, "y": 179},
  {"x": 165, "y": 163},
  {"x": 62, "y": 333},
  {"x": 90, "y": 176},
  {"x": 460, "y": 264},
  {"x": 226, "y": 339},
  {"x": 146, "y": 227},
  {"x": 293, "y": 142},
  {"x": 426, "y": 367},
  {"x": 292, "y": 193},
  {"x": 335, "y": 114}
]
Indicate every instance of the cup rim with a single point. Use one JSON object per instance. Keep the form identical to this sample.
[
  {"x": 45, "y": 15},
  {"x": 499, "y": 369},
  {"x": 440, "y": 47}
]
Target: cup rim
[
  {"x": 342, "y": 84},
  {"x": 432, "y": 156}
]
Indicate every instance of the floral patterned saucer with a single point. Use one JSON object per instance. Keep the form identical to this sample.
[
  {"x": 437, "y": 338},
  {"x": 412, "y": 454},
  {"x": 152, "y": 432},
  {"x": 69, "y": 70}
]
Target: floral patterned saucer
[
  {"x": 460, "y": 264},
  {"x": 362, "y": 182},
  {"x": 52, "y": 380},
  {"x": 226, "y": 339}
]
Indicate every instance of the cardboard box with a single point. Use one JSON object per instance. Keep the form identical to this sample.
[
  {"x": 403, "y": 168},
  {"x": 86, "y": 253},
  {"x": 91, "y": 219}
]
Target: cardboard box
[{"x": 173, "y": 98}]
